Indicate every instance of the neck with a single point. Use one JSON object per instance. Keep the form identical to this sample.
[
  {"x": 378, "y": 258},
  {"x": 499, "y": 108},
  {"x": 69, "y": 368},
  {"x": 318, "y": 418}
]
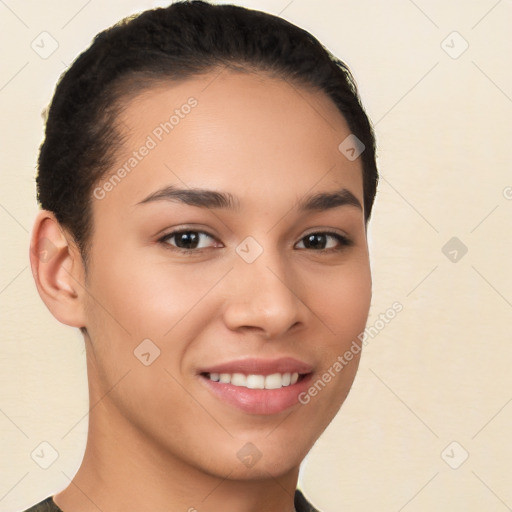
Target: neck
[{"x": 125, "y": 471}]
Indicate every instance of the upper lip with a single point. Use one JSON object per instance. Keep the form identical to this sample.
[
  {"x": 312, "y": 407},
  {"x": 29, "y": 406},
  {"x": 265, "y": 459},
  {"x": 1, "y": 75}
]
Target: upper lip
[{"x": 258, "y": 366}]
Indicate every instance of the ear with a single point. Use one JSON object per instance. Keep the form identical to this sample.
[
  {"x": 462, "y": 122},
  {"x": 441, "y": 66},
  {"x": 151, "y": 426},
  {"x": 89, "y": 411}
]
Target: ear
[{"x": 58, "y": 270}]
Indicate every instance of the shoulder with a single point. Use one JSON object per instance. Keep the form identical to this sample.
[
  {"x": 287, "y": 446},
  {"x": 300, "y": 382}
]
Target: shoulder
[
  {"x": 302, "y": 504},
  {"x": 47, "y": 505}
]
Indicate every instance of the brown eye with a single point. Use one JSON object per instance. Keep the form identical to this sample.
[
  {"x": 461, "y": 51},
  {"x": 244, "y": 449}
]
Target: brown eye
[
  {"x": 324, "y": 241},
  {"x": 187, "y": 240}
]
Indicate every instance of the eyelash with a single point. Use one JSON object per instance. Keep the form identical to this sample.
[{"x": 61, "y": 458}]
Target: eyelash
[{"x": 343, "y": 241}]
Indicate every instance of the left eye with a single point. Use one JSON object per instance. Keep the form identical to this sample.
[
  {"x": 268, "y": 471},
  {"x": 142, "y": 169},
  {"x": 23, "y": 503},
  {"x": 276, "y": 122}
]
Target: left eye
[
  {"x": 320, "y": 241},
  {"x": 188, "y": 240}
]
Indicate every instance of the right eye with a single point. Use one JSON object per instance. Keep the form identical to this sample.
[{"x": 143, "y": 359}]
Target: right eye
[{"x": 186, "y": 240}]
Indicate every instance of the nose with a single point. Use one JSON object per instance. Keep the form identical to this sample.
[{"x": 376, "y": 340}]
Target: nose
[{"x": 262, "y": 297}]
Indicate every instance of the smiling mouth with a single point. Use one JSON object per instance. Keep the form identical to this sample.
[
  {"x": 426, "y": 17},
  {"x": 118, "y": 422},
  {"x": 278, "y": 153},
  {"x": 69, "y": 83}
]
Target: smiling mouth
[
  {"x": 256, "y": 381},
  {"x": 258, "y": 386}
]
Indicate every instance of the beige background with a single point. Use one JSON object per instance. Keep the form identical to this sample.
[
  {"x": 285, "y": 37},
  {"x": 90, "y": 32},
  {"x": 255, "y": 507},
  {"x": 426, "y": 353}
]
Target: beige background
[{"x": 437, "y": 373}]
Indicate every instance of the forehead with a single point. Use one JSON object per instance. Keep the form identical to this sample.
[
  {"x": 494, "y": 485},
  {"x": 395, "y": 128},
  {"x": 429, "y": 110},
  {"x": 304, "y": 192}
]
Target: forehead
[{"x": 260, "y": 138}]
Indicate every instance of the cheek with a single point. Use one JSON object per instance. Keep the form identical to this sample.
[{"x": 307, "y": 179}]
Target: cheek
[
  {"x": 149, "y": 295},
  {"x": 341, "y": 299},
  {"x": 157, "y": 301}
]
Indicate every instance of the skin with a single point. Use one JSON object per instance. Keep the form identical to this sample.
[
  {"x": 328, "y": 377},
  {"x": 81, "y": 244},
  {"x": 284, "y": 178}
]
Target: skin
[{"x": 158, "y": 438}]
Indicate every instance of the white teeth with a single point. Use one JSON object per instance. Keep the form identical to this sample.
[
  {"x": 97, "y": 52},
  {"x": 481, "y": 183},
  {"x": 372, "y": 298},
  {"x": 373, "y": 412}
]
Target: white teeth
[
  {"x": 274, "y": 381},
  {"x": 255, "y": 382},
  {"x": 239, "y": 379}
]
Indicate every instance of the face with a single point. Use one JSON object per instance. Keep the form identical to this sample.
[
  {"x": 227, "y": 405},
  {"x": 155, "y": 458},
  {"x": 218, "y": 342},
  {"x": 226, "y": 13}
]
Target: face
[{"x": 229, "y": 273}]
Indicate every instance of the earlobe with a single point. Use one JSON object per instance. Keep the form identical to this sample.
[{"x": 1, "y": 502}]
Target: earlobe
[{"x": 57, "y": 269}]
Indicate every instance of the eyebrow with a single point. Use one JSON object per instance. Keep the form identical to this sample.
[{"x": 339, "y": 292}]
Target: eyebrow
[{"x": 213, "y": 199}]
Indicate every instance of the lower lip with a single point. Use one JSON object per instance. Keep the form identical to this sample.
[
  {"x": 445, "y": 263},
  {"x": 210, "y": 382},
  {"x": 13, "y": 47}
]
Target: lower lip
[{"x": 258, "y": 401}]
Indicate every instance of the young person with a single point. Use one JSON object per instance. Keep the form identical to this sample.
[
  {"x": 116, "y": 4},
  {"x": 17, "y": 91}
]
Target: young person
[{"x": 206, "y": 181}]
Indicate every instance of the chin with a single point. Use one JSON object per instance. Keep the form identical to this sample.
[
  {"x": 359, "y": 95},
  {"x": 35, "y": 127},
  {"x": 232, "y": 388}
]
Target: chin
[
  {"x": 248, "y": 461},
  {"x": 264, "y": 469}
]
